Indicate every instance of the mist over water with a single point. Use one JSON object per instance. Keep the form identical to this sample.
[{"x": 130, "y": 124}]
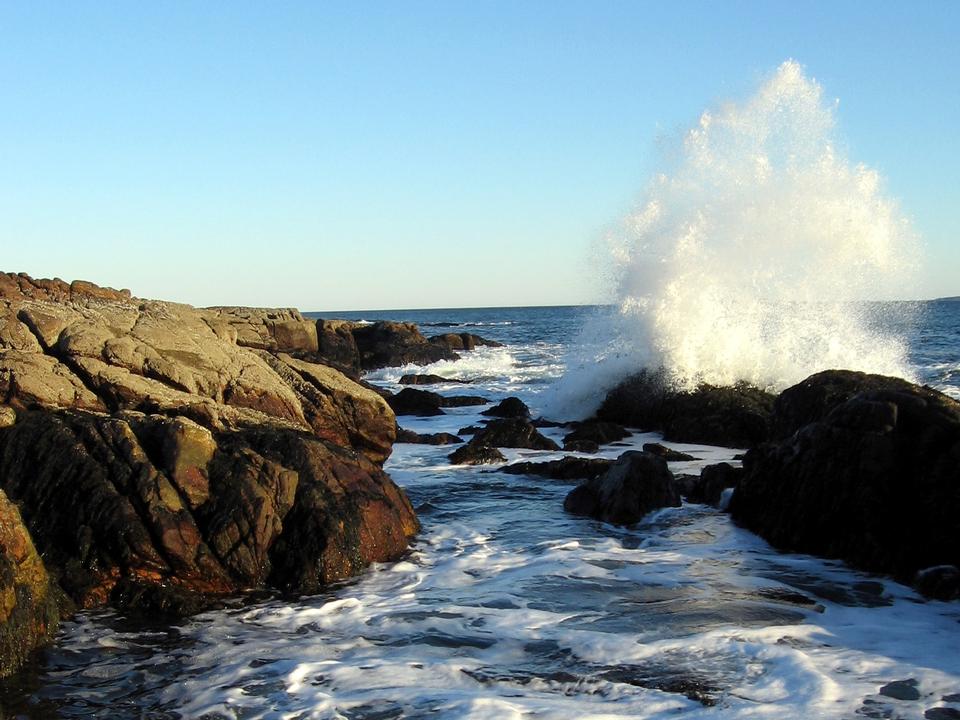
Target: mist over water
[{"x": 751, "y": 255}]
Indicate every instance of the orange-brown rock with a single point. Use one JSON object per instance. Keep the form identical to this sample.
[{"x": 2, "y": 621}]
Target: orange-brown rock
[
  {"x": 160, "y": 452},
  {"x": 28, "y": 610}
]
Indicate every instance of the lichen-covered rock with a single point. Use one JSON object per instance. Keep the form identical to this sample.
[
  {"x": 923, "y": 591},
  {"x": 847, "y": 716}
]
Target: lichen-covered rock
[
  {"x": 637, "y": 483},
  {"x": 28, "y": 608}
]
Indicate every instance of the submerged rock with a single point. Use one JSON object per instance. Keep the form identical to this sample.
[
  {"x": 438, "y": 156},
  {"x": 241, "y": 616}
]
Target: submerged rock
[
  {"x": 408, "y": 436},
  {"x": 471, "y": 454},
  {"x": 668, "y": 454},
  {"x": 873, "y": 481},
  {"x": 637, "y": 483},
  {"x": 413, "y": 379},
  {"x": 568, "y": 468},
  {"x": 424, "y": 403},
  {"x": 713, "y": 480}
]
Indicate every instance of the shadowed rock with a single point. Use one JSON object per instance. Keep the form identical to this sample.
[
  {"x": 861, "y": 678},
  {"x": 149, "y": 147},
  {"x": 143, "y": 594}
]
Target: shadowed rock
[
  {"x": 510, "y": 407},
  {"x": 872, "y": 482},
  {"x": 512, "y": 433},
  {"x": 568, "y": 468},
  {"x": 471, "y": 454},
  {"x": 668, "y": 454},
  {"x": 713, "y": 480},
  {"x": 412, "y": 379},
  {"x": 392, "y": 344},
  {"x": 597, "y": 432},
  {"x": 462, "y": 341},
  {"x": 408, "y": 436},
  {"x": 635, "y": 484}
]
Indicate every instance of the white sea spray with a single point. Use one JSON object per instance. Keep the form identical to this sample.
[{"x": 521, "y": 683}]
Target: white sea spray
[{"x": 752, "y": 257}]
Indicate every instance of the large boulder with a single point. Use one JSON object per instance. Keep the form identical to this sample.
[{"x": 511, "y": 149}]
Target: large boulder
[
  {"x": 511, "y": 407},
  {"x": 462, "y": 341},
  {"x": 512, "y": 433},
  {"x": 392, "y": 344},
  {"x": 596, "y": 432},
  {"x": 335, "y": 343},
  {"x": 635, "y": 484},
  {"x": 730, "y": 416},
  {"x": 28, "y": 607},
  {"x": 872, "y": 480},
  {"x": 154, "y": 445}
]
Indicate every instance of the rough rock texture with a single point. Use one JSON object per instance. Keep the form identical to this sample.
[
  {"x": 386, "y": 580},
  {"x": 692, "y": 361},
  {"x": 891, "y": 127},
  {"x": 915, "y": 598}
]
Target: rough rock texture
[
  {"x": 635, "y": 484},
  {"x": 471, "y": 454},
  {"x": 568, "y": 468},
  {"x": 335, "y": 342},
  {"x": 713, "y": 480},
  {"x": 668, "y": 454},
  {"x": 28, "y": 609},
  {"x": 875, "y": 481},
  {"x": 462, "y": 341},
  {"x": 414, "y": 379},
  {"x": 512, "y": 433},
  {"x": 597, "y": 432},
  {"x": 510, "y": 407},
  {"x": 159, "y": 451},
  {"x": 409, "y": 436},
  {"x": 734, "y": 416},
  {"x": 392, "y": 344},
  {"x": 424, "y": 403}
]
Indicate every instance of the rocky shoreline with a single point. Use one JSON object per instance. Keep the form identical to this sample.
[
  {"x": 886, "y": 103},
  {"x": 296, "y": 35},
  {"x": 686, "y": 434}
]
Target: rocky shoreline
[{"x": 161, "y": 458}]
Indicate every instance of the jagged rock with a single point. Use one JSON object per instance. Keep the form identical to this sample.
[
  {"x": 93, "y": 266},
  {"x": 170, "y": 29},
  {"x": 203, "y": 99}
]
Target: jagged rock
[
  {"x": 335, "y": 342},
  {"x": 635, "y": 484},
  {"x": 713, "y": 480},
  {"x": 594, "y": 431},
  {"x": 568, "y": 468},
  {"x": 874, "y": 482},
  {"x": 392, "y": 344},
  {"x": 512, "y": 433},
  {"x": 471, "y": 454},
  {"x": 408, "y": 436},
  {"x": 510, "y": 407},
  {"x": 668, "y": 454},
  {"x": 28, "y": 609},
  {"x": 582, "y": 446},
  {"x": 154, "y": 459},
  {"x": 462, "y": 341},
  {"x": 412, "y": 379},
  {"x": 732, "y": 416},
  {"x": 422, "y": 403}
]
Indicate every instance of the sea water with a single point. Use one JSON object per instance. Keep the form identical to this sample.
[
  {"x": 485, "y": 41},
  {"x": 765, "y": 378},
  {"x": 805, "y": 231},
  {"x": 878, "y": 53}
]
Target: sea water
[{"x": 506, "y": 607}]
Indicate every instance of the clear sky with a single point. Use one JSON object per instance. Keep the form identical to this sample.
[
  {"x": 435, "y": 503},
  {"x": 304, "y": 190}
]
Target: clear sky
[{"x": 381, "y": 155}]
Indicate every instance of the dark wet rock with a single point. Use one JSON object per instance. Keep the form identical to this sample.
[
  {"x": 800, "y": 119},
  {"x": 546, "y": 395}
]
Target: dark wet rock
[
  {"x": 635, "y": 484},
  {"x": 462, "y": 341},
  {"x": 731, "y": 416},
  {"x": 942, "y": 713},
  {"x": 941, "y": 582},
  {"x": 791, "y": 597},
  {"x": 568, "y": 468},
  {"x": 667, "y": 680},
  {"x": 812, "y": 399},
  {"x": 599, "y": 432},
  {"x": 714, "y": 479},
  {"x": 951, "y": 698},
  {"x": 512, "y": 433},
  {"x": 510, "y": 407},
  {"x": 668, "y": 454},
  {"x": 874, "y": 482},
  {"x": 901, "y": 690},
  {"x": 422, "y": 403},
  {"x": 463, "y": 400},
  {"x": 582, "y": 446},
  {"x": 412, "y": 379},
  {"x": 471, "y": 454},
  {"x": 686, "y": 484},
  {"x": 392, "y": 344},
  {"x": 408, "y": 436},
  {"x": 542, "y": 422},
  {"x": 29, "y": 614},
  {"x": 469, "y": 430}
]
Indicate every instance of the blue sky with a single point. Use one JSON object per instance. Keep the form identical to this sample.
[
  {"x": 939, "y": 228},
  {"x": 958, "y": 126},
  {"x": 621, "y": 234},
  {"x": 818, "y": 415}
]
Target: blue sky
[{"x": 374, "y": 155}]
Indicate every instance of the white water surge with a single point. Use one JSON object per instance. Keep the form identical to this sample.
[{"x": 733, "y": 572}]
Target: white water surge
[{"x": 752, "y": 253}]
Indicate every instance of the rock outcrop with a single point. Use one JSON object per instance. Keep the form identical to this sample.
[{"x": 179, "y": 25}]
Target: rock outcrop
[
  {"x": 512, "y": 433},
  {"x": 511, "y": 407},
  {"x": 732, "y": 416},
  {"x": 462, "y": 341},
  {"x": 161, "y": 452},
  {"x": 870, "y": 478},
  {"x": 635, "y": 484},
  {"x": 28, "y": 608},
  {"x": 392, "y": 344}
]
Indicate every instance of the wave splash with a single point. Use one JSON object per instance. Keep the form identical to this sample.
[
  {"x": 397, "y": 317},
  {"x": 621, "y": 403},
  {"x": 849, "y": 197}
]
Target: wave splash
[{"x": 752, "y": 255}]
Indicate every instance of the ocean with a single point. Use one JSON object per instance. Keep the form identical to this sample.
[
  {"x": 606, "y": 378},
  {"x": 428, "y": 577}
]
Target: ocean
[{"x": 506, "y": 607}]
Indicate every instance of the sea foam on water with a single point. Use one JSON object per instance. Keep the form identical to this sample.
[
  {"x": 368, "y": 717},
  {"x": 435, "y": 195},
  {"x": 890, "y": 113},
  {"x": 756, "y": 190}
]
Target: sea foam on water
[{"x": 752, "y": 257}]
